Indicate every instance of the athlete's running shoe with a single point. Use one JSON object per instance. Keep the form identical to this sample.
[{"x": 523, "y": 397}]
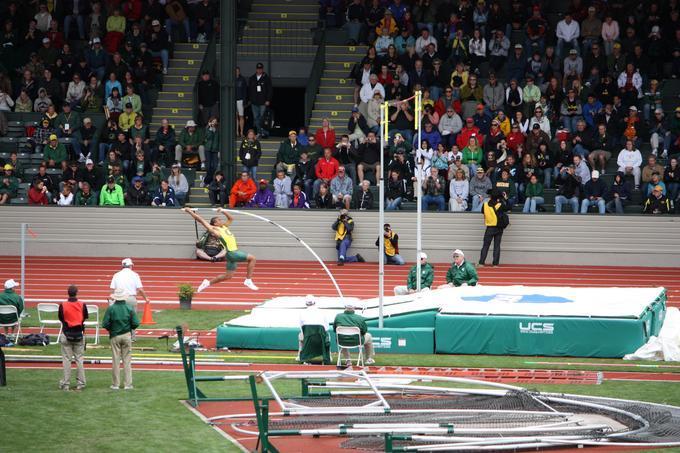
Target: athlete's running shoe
[
  {"x": 203, "y": 286},
  {"x": 249, "y": 283}
]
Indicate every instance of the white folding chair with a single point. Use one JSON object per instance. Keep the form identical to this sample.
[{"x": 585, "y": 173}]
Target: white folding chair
[
  {"x": 349, "y": 343},
  {"x": 11, "y": 310},
  {"x": 46, "y": 313},
  {"x": 93, "y": 320}
]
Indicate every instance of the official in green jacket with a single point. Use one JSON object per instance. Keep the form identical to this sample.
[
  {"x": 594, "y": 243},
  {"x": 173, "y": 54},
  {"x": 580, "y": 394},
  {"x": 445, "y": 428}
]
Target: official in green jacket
[
  {"x": 461, "y": 272},
  {"x": 288, "y": 154},
  {"x": 9, "y": 297},
  {"x": 350, "y": 319},
  {"x": 112, "y": 194},
  {"x": 426, "y": 277},
  {"x": 55, "y": 154},
  {"x": 120, "y": 320}
]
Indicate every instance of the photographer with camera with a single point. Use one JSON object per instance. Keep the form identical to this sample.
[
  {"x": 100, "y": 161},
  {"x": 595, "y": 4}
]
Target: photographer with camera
[
  {"x": 343, "y": 227},
  {"x": 391, "y": 246}
]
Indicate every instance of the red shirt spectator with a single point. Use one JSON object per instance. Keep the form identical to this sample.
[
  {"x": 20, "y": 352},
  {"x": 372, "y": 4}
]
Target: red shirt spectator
[
  {"x": 327, "y": 166},
  {"x": 515, "y": 138},
  {"x": 37, "y": 194},
  {"x": 470, "y": 129},
  {"x": 325, "y": 135}
]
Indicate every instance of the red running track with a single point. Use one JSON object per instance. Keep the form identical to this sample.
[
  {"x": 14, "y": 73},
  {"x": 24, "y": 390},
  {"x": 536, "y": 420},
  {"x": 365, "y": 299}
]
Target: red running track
[{"x": 48, "y": 277}]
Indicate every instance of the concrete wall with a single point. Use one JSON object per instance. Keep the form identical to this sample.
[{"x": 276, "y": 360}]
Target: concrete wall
[{"x": 544, "y": 238}]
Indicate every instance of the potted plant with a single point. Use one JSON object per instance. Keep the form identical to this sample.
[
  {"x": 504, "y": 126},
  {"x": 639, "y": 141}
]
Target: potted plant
[{"x": 185, "y": 294}]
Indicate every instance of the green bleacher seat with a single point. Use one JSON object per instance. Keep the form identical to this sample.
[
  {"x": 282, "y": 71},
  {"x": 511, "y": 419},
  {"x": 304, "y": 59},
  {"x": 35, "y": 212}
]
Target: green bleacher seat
[{"x": 19, "y": 200}]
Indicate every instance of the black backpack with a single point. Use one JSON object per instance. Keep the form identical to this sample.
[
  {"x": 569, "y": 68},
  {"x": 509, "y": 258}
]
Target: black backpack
[{"x": 35, "y": 339}]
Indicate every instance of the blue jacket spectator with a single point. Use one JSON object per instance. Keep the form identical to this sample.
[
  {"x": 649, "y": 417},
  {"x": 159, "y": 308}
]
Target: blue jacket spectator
[{"x": 164, "y": 196}]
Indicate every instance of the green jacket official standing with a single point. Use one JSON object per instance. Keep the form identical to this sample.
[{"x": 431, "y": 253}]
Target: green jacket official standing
[{"x": 120, "y": 320}]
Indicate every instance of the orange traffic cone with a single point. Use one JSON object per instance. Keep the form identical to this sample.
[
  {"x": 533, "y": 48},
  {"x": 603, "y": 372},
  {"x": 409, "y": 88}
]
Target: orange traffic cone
[{"x": 147, "y": 318}]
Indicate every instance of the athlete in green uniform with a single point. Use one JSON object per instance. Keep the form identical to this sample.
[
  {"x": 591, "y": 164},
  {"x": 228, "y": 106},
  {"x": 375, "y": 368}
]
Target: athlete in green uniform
[{"x": 220, "y": 229}]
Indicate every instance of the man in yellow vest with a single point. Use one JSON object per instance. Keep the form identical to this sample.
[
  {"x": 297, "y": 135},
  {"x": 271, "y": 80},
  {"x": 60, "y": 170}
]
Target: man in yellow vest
[
  {"x": 496, "y": 220},
  {"x": 391, "y": 239},
  {"x": 220, "y": 229}
]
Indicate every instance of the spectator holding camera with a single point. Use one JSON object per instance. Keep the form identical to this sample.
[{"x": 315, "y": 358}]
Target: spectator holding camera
[{"x": 391, "y": 250}]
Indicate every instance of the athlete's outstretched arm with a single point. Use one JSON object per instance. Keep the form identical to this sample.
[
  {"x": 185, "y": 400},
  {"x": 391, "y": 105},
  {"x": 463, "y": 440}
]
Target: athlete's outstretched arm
[
  {"x": 229, "y": 217},
  {"x": 199, "y": 219}
]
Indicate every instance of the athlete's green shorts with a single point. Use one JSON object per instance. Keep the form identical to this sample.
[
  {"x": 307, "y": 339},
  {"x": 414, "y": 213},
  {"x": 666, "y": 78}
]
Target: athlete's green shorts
[{"x": 235, "y": 257}]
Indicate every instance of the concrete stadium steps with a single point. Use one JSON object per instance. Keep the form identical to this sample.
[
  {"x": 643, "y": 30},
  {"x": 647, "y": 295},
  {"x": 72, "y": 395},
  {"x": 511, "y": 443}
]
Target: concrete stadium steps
[
  {"x": 335, "y": 96},
  {"x": 544, "y": 239},
  {"x": 176, "y": 101},
  {"x": 284, "y": 27}
]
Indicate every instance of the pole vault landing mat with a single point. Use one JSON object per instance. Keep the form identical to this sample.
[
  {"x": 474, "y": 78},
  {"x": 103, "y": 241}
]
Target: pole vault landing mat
[{"x": 504, "y": 320}]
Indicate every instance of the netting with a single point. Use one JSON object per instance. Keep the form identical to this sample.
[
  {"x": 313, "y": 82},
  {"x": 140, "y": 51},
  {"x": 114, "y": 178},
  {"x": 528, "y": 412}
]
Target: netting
[{"x": 466, "y": 419}]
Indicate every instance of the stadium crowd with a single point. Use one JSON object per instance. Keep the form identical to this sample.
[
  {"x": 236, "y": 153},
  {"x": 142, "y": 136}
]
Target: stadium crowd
[
  {"x": 549, "y": 111},
  {"x": 76, "y": 60}
]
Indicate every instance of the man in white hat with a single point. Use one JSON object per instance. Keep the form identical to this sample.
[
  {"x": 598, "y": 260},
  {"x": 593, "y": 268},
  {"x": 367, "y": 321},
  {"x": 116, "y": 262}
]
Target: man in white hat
[
  {"x": 129, "y": 281},
  {"x": 461, "y": 272},
  {"x": 350, "y": 319},
  {"x": 120, "y": 320},
  {"x": 9, "y": 297},
  {"x": 191, "y": 140},
  {"x": 426, "y": 277},
  {"x": 310, "y": 316}
]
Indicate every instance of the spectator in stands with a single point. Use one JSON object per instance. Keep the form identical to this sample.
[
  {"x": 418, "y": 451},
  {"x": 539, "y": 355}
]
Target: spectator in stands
[
  {"x": 282, "y": 189},
  {"x": 165, "y": 141},
  {"x": 86, "y": 196},
  {"x": 17, "y": 166},
  {"x": 250, "y": 153},
  {"x": 305, "y": 175},
  {"x": 208, "y": 98},
  {"x": 23, "y": 103},
  {"x": 343, "y": 227},
  {"x": 299, "y": 198},
  {"x": 6, "y": 101},
  {"x": 217, "y": 191},
  {"x": 9, "y": 184},
  {"x": 46, "y": 179},
  {"x": 191, "y": 140},
  {"x": 114, "y": 105},
  {"x": 259, "y": 94},
  {"x": 66, "y": 197},
  {"x": 38, "y": 194},
  {"x": 133, "y": 98},
  {"x": 324, "y": 199},
  {"x": 137, "y": 194},
  {"x": 472, "y": 153},
  {"x": 647, "y": 172},
  {"x": 241, "y": 87},
  {"x": 54, "y": 153},
  {"x": 533, "y": 193},
  {"x": 96, "y": 58},
  {"x": 581, "y": 169},
  {"x": 41, "y": 136},
  {"x": 426, "y": 278},
  {"x": 325, "y": 135},
  {"x": 391, "y": 247},
  {"x": 368, "y": 157},
  {"x": 656, "y": 202},
  {"x": 619, "y": 194},
  {"x": 671, "y": 177},
  {"x": 88, "y": 134},
  {"x": 164, "y": 196},
  {"x": 603, "y": 144},
  {"x": 479, "y": 189},
  {"x": 459, "y": 191},
  {"x": 119, "y": 176},
  {"x": 595, "y": 193},
  {"x": 71, "y": 175},
  {"x": 242, "y": 191},
  {"x": 659, "y": 132},
  {"x": 212, "y": 148},
  {"x": 655, "y": 181},
  {"x": 326, "y": 169},
  {"x": 111, "y": 194},
  {"x": 159, "y": 42},
  {"x": 41, "y": 103},
  {"x": 92, "y": 175},
  {"x": 121, "y": 320},
  {"x": 288, "y": 154},
  {"x": 264, "y": 197},
  {"x": 433, "y": 191},
  {"x": 179, "y": 183},
  {"x": 363, "y": 199},
  {"x": 506, "y": 186},
  {"x": 629, "y": 162},
  {"x": 450, "y": 125},
  {"x": 11, "y": 298},
  {"x": 127, "y": 119}
]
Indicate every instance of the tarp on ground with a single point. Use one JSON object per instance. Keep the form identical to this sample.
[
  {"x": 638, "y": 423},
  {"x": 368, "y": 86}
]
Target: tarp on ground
[{"x": 665, "y": 346}]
